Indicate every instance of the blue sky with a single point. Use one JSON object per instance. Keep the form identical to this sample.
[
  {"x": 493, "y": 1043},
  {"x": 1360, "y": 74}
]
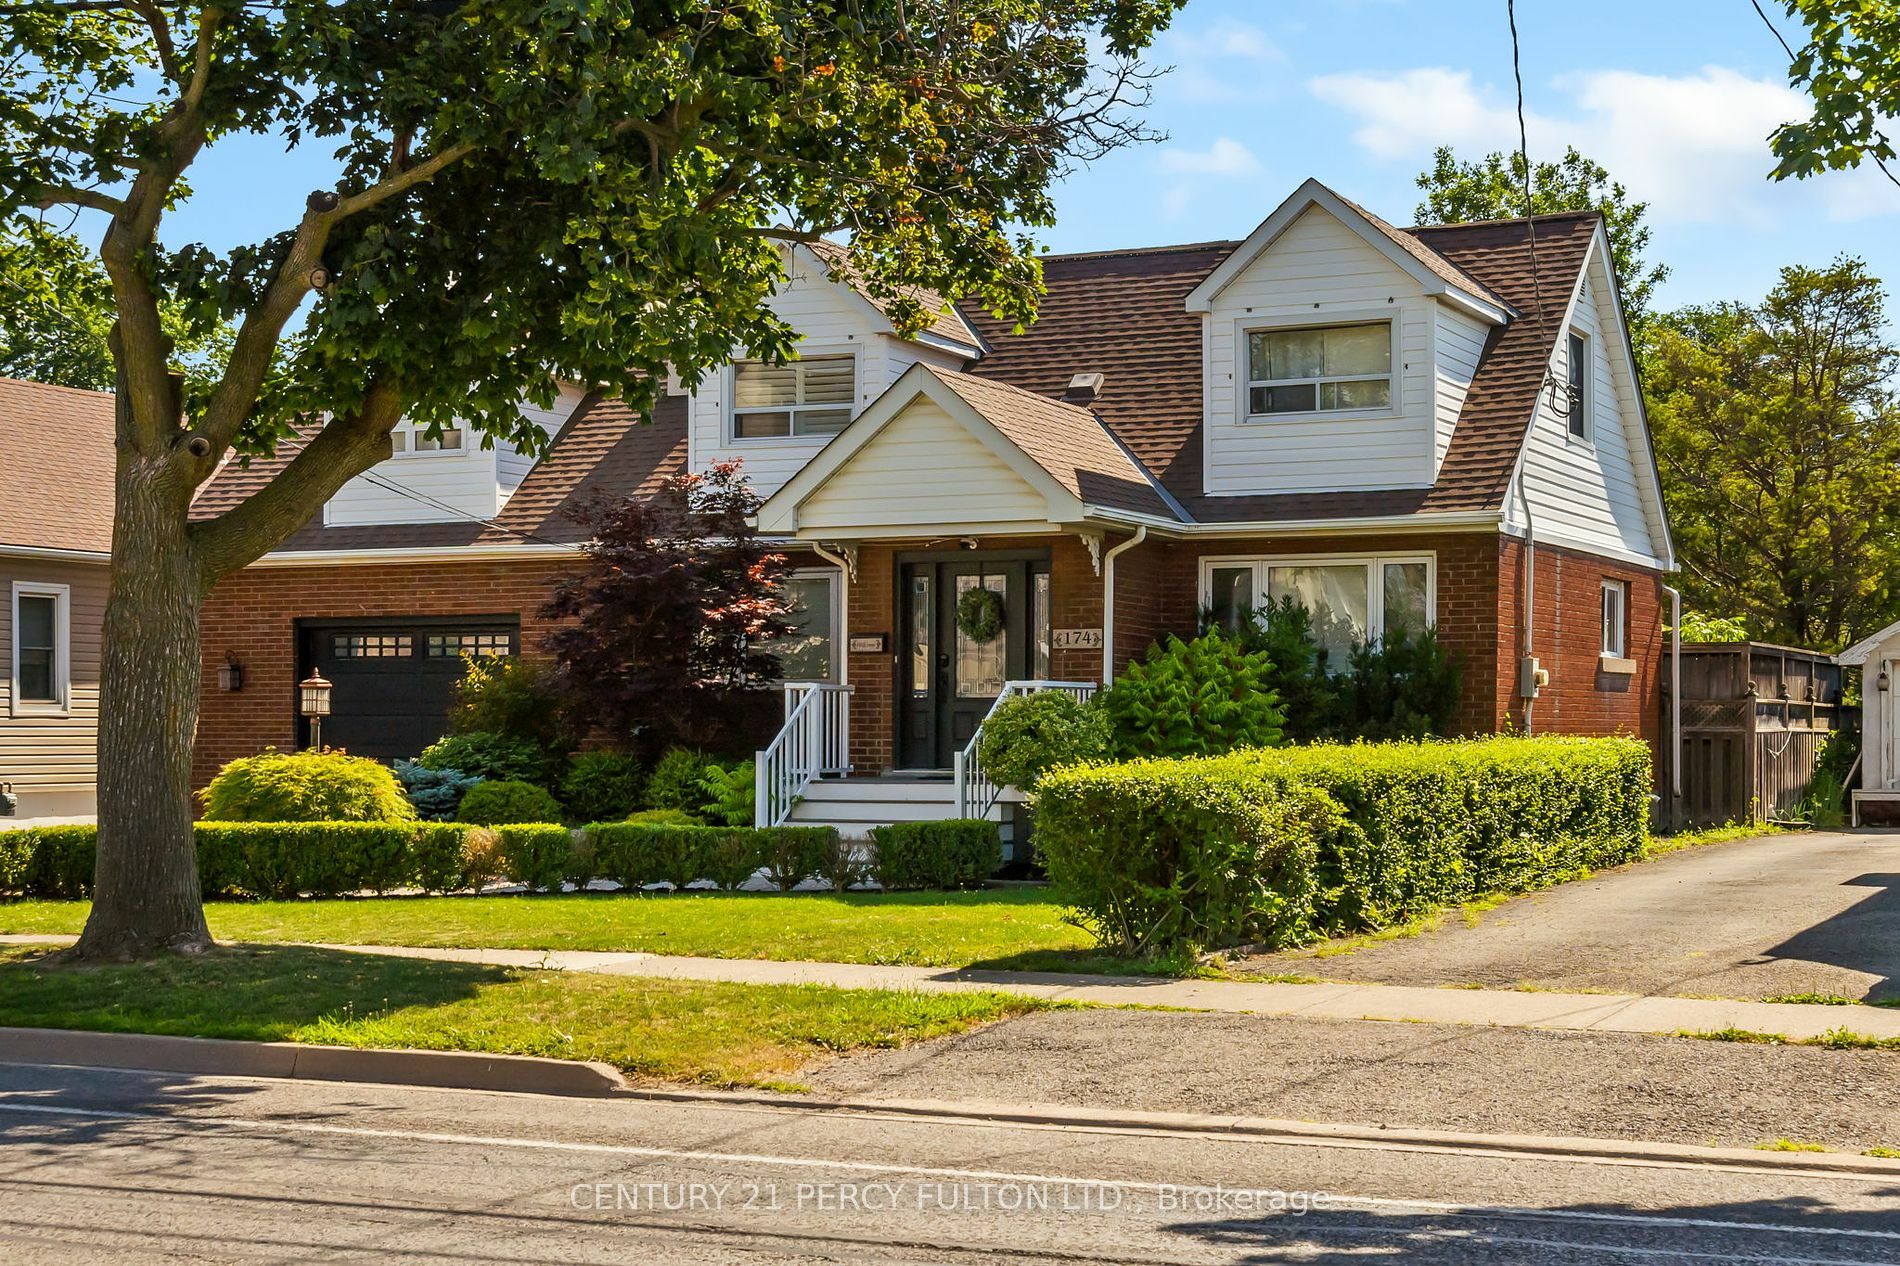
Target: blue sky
[{"x": 1675, "y": 97}]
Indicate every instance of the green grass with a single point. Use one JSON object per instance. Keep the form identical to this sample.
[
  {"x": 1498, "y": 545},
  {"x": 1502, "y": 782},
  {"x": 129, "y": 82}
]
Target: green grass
[
  {"x": 1788, "y": 1145},
  {"x": 1019, "y": 928},
  {"x": 1831, "y": 1000},
  {"x": 692, "y": 1031},
  {"x": 1842, "y": 1039},
  {"x": 1662, "y": 845},
  {"x": 1884, "y": 1153}
]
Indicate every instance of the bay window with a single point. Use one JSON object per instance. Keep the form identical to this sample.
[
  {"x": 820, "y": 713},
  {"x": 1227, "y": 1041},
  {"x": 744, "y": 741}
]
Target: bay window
[
  {"x": 810, "y": 396},
  {"x": 1323, "y": 369},
  {"x": 1352, "y": 599}
]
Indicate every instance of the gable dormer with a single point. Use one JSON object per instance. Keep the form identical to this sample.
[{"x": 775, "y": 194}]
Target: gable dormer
[
  {"x": 775, "y": 418},
  {"x": 1337, "y": 353}
]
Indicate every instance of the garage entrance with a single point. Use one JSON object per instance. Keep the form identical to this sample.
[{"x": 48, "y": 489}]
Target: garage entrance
[{"x": 394, "y": 678}]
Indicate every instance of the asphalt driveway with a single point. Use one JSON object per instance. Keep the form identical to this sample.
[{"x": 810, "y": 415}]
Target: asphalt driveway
[{"x": 1816, "y": 912}]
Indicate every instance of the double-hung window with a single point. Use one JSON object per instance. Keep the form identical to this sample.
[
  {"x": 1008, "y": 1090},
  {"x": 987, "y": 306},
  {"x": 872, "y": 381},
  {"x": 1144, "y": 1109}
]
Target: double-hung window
[
  {"x": 42, "y": 651},
  {"x": 1616, "y": 601},
  {"x": 810, "y": 396},
  {"x": 1351, "y": 599},
  {"x": 1577, "y": 387},
  {"x": 1323, "y": 369}
]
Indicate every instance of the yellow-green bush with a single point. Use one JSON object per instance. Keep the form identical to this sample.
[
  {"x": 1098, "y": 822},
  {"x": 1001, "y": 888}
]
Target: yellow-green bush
[{"x": 324, "y": 786}]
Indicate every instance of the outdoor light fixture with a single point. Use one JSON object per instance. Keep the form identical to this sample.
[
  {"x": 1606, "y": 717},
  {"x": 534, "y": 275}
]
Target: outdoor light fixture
[
  {"x": 315, "y": 692},
  {"x": 231, "y": 674},
  {"x": 1881, "y": 682}
]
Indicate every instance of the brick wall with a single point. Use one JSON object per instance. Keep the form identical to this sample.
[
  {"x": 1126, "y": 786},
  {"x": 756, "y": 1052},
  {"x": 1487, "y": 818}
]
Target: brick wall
[{"x": 253, "y": 615}]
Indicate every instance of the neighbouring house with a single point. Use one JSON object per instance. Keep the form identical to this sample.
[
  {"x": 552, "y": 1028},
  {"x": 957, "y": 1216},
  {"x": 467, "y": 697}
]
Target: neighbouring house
[
  {"x": 56, "y": 475},
  {"x": 1877, "y": 800},
  {"x": 1399, "y": 427}
]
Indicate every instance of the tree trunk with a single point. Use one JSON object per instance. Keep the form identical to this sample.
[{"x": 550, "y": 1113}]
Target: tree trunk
[{"x": 146, "y": 897}]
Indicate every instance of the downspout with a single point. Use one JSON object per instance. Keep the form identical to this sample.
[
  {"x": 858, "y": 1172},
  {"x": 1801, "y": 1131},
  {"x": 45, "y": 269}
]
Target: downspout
[
  {"x": 1528, "y": 624},
  {"x": 1108, "y": 601},
  {"x": 1675, "y": 697},
  {"x": 844, "y": 610}
]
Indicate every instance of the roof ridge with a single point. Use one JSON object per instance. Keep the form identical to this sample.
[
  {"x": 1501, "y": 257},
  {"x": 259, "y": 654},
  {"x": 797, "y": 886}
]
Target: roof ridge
[
  {"x": 56, "y": 386},
  {"x": 1503, "y": 220},
  {"x": 1120, "y": 252}
]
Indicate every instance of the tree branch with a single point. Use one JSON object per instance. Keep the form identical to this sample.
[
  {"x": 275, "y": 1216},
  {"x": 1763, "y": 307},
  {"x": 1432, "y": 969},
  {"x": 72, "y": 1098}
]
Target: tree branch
[
  {"x": 341, "y": 450},
  {"x": 45, "y": 196}
]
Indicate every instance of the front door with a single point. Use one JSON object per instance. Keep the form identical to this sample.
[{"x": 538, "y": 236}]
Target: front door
[{"x": 949, "y": 673}]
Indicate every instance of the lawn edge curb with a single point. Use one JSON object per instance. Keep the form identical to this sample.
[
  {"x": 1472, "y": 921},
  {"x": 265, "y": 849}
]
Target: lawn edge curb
[
  {"x": 1311, "y": 1133},
  {"x": 442, "y": 1070}
]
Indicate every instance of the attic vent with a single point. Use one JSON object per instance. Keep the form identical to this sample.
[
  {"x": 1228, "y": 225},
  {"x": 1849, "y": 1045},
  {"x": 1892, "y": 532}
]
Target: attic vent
[{"x": 1083, "y": 389}]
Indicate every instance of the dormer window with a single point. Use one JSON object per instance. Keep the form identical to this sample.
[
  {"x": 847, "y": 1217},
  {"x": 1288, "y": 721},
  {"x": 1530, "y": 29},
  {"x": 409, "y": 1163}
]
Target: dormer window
[
  {"x": 1319, "y": 369},
  {"x": 415, "y": 440},
  {"x": 811, "y": 396}
]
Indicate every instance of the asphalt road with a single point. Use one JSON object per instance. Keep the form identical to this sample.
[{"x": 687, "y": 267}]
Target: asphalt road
[
  {"x": 1815, "y": 912},
  {"x": 103, "y": 1166}
]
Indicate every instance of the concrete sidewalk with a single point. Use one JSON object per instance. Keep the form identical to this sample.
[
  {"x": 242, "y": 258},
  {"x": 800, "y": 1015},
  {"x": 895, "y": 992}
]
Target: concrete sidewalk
[{"x": 1507, "y": 1008}]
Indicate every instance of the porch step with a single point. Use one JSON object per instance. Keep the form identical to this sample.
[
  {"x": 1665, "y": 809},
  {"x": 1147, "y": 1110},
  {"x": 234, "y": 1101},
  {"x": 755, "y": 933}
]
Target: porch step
[{"x": 855, "y": 805}]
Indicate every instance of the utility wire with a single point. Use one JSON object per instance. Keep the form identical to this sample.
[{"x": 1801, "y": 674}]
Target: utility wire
[
  {"x": 1794, "y": 57},
  {"x": 1558, "y": 394}
]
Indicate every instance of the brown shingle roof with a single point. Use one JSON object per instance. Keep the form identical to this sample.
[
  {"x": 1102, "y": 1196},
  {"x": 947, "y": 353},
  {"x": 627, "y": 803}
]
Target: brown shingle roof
[
  {"x": 57, "y": 459},
  {"x": 604, "y": 447},
  {"x": 1069, "y": 442}
]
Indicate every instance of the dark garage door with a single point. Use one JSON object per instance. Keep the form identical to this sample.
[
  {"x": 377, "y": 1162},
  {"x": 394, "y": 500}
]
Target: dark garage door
[{"x": 393, "y": 679}]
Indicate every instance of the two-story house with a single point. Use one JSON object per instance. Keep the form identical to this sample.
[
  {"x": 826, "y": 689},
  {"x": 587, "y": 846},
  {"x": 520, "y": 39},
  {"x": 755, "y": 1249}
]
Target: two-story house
[{"x": 1398, "y": 427}]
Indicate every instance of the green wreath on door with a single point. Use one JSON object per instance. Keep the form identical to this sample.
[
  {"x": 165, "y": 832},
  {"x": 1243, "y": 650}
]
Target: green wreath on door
[{"x": 980, "y": 615}]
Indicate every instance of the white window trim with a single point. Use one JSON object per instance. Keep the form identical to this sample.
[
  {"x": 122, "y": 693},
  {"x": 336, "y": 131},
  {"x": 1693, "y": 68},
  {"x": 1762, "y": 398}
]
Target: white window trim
[
  {"x": 1392, "y": 317},
  {"x": 729, "y": 386},
  {"x": 1617, "y": 593},
  {"x": 62, "y": 596},
  {"x": 1584, "y": 402},
  {"x": 835, "y": 602},
  {"x": 409, "y": 451},
  {"x": 1375, "y": 588}
]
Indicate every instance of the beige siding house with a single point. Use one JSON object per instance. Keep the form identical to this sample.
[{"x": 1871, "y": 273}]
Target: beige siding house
[{"x": 56, "y": 464}]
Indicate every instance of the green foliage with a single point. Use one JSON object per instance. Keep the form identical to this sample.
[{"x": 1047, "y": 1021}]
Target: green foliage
[
  {"x": 1405, "y": 687},
  {"x": 601, "y": 785},
  {"x": 536, "y": 855},
  {"x": 1194, "y": 698},
  {"x": 502, "y": 801},
  {"x": 1824, "y": 805},
  {"x": 1847, "y": 65},
  {"x": 325, "y": 786},
  {"x": 1697, "y": 627},
  {"x": 485, "y": 754},
  {"x": 663, "y": 817},
  {"x": 678, "y": 781},
  {"x": 1492, "y": 188},
  {"x": 728, "y": 793},
  {"x": 1161, "y": 856},
  {"x": 1777, "y": 435},
  {"x": 732, "y": 855},
  {"x": 1297, "y": 669},
  {"x": 795, "y": 854},
  {"x": 446, "y": 860},
  {"x": 48, "y": 861},
  {"x": 1028, "y": 734},
  {"x": 635, "y": 854},
  {"x": 435, "y": 793},
  {"x": 1269, "y": 844},
  {"x": 509, "y": 696},
  {"x": 847, "y": 863},
  {"x": 954, "y": 853}
]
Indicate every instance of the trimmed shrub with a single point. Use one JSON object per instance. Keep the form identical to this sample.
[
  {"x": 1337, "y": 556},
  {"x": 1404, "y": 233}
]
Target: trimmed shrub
[
  {"x": 635, "y": 854},
  {"x": 731, "y": 855},
  {"x": 677, "y": 781},
  {"x": 441, "y": 858},
  {"x": 1028, "y": 734},
  {"x": 601, "y": 786},
  {"x": 1198, "y": 698},
  {"x": 1395, "y": 830},
  {"x": 481, "y": 858},
  {"x": 663, "y": 817},
  {"x": 324, "y": 786},
  {"x": 794, "y": 854},
  {"x": 502, "y": 801},
  {"x": 537, "y": 855},
  {"x": 280, "y": 860},
  {"x": 1157, "y": 856},
  {"x": 483, "y": 754},
  {"x": 16, "y": 853},
  {"x": 954, "y": 853},
  {"x": 436, "y": 793},
  {"x": 55, "y": 862},
  {"x": 847, "y": 863}
]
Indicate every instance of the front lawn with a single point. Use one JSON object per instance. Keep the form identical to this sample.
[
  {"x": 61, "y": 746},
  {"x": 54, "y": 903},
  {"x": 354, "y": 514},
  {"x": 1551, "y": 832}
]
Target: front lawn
[
  {"x": 712, "y": 1033},
  {"x": 1015, "y": 928}
]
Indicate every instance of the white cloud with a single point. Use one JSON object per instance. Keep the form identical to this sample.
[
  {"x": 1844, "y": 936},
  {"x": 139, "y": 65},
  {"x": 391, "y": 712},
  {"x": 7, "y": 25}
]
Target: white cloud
[
  {"x": 1225, "y": 158},
  {"x": 1693, "y": 146},
  {"x": 1225, "y": 38},
  {"x": 1217, "y": 63}
]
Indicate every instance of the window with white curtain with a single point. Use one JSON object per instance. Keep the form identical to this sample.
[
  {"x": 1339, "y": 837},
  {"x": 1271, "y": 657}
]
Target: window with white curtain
[
  {"x": 809, "y": 396},
  {"x": 1352, "y": 599},
  {"x": 1319, "y": 369}
]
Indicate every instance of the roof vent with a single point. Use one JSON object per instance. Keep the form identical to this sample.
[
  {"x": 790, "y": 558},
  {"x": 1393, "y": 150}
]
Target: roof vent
[{"x": 1083, "y": 389}]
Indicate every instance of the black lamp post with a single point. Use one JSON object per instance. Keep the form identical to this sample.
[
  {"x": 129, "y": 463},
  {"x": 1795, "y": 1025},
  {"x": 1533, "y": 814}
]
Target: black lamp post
[{"x": 314, "y": 691}]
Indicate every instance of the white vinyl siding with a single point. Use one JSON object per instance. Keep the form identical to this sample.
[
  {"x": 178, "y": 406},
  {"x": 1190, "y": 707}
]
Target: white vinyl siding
[
  {"x": 1461, "y": 340},
  {"x": 1320, "y": 273},
  {"x": 1592, "y": 496},
  {"x": 831, "y": 320},
  {"x": 923, "y": 469},
  {"x": 49, "y": 753}
]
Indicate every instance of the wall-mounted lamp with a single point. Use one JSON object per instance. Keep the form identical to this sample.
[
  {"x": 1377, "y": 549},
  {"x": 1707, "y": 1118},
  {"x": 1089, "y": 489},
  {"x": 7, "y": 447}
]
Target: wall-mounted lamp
[
  {"x": 231, "y": 674},
  {"x": 1881, "y": 682}
]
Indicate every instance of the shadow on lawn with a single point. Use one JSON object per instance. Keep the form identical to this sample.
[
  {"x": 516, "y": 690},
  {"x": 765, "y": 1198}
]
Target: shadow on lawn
[{"x": 255, "y": 992}]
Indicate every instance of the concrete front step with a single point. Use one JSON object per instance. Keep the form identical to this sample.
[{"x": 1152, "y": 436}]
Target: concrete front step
[{"x": 855, "y": 805}]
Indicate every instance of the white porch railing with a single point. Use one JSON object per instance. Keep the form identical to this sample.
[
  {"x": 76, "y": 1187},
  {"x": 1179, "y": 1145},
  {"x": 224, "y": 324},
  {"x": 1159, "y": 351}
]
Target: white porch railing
[
  {"x": 976, "y": 793},
  {"x": 815, "y": 741}
]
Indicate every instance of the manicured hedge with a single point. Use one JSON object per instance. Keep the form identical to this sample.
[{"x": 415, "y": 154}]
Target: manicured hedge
[
  {"x": 954, "y": 853},
  {"x": 635, "y": 854},
  {"x": 538, "y": 855},
  {"x": 1275, "y": 845}
]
